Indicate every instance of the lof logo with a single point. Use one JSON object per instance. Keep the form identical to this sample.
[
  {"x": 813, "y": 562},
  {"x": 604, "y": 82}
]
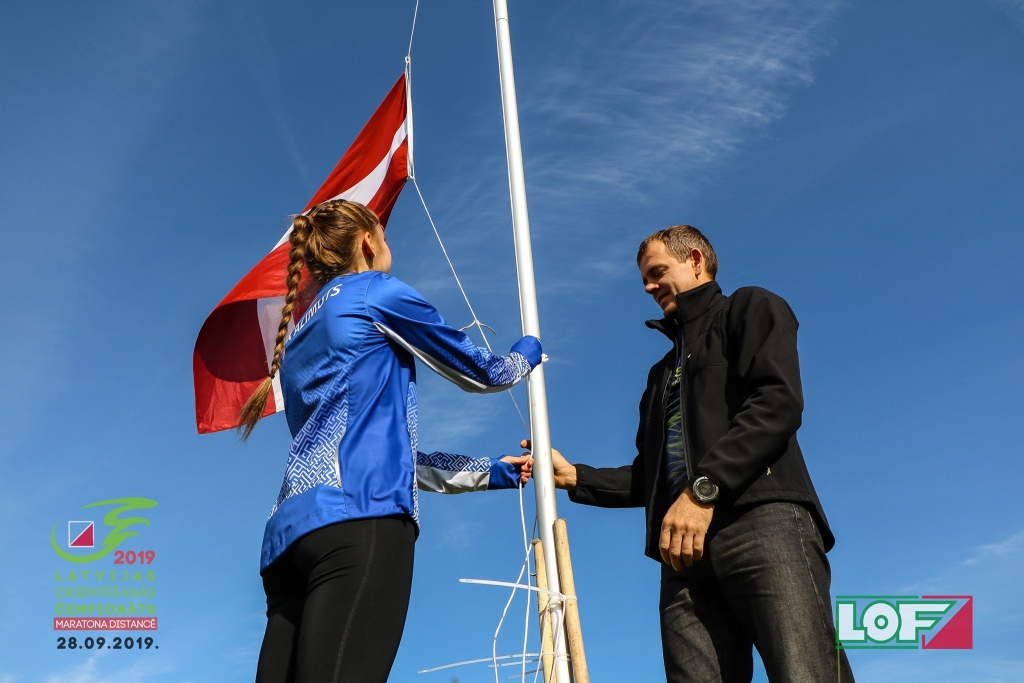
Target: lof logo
[{"x": 904, "y": 622}]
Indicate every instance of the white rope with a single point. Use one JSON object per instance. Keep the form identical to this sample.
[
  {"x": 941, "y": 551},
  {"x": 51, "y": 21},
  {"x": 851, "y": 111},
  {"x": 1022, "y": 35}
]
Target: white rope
[
  {"x": 526, "y": 551},
  {"x": 556, "y": 598},
  {"x": 465, "y": 297},
  {"x": 520, "y": 586},
  {"x": 458, "y": 280},
  {"x": 475, "y": 661},
  {"x": 415, "y": 13},
  {"x": 494, "y": 642},
  {"x": 412, "y": 176},
  {"x": 524, "y": 569}
]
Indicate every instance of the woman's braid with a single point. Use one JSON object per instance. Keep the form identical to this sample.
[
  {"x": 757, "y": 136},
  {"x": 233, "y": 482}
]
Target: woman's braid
[
  {"x": 254, "y": 408},
  {"x": 301, "y": 227},
  {"x": 324, "y": 243}
]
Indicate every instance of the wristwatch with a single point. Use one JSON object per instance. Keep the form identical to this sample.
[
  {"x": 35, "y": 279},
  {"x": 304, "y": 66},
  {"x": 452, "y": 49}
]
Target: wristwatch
[{"x": 704, "y": 490}]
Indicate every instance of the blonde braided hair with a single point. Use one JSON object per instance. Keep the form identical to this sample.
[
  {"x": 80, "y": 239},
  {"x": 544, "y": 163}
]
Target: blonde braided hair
[{"x": 324, "y": 241}]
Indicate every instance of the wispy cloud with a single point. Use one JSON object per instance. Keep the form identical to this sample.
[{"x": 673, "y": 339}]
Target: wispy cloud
[
  {"x": 924, "y": 667},
  {"x": 990, "y": 566},
  {"x": 1014, "y": 545},
  {"x": 91, "y": 120},
  {"x": 460, "y": 533},
  {"x": 623, "y": 100},
  {"x": 990, "y": 572},
  {"x": 670, "y": 87},
  {"x": 265, "y": 73},
  {"x": 90, "y": 671},
  {"x": 452, "y": 419},
  {"x": 1014, "y": 9}
]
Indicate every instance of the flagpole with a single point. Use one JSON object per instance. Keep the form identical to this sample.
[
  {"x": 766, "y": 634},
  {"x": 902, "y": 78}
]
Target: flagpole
[{"x": 543, "y": 476}]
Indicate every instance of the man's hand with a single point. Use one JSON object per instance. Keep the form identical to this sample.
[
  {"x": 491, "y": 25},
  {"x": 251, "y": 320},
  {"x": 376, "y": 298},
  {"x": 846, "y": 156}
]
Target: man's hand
[
  {"x": 683, "y": 530},
  {"x": 565, "y": 473},
  {"x": 523, "y": 463}
]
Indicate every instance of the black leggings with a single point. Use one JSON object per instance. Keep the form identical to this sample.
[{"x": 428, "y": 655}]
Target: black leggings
[{"x": 336, "y": 603}]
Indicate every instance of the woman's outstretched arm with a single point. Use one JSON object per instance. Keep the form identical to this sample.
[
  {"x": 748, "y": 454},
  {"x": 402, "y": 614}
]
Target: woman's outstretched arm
[
  {"x": 450, "y": 473},
  {"x": 405, "y": 317}
]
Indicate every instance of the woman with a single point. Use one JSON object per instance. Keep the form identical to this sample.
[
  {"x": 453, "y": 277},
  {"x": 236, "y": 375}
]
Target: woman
[{"x": 338, "y": 548}]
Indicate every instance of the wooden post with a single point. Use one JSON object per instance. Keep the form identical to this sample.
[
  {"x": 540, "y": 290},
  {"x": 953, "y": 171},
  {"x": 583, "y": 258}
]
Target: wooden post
[
  {"x": 547, "y": 642},
  {"x": 572, "y": 613}
]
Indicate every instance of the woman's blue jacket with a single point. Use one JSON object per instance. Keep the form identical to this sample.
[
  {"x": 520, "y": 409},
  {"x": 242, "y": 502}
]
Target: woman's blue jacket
[{"x": 348, "y": 379}]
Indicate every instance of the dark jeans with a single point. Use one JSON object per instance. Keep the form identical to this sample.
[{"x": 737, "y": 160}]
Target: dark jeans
[
  {"x": 336, "y": 603},
  {"x": 763, "y": 582}
]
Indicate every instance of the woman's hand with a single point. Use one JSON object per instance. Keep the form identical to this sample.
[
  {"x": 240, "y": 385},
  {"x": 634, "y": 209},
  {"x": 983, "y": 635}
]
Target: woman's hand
[
  {"x": 523, "y": 464},
  {"x": 565, "y": 473}
]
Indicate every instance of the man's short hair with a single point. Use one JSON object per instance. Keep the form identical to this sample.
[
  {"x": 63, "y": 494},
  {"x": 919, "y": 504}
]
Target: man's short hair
[{"x": 679, "y": 240}]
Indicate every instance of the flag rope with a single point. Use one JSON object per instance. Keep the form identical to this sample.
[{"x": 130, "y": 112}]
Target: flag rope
[
  {"x": 412, "y": 32},
  {"x": 480, "y": 325},
  {"x": 476, "y": 322}
]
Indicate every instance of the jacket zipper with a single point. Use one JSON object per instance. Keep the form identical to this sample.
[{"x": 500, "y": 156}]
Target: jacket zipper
[
  {"x": 664, "y": 436},
  {"x": 681, "y": 363},
  {"x": 657, "y": 473}
]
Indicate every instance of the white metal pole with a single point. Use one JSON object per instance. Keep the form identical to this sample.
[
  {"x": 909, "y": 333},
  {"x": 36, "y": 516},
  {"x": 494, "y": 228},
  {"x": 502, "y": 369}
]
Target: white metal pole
[{"x": 543, "y": 476}]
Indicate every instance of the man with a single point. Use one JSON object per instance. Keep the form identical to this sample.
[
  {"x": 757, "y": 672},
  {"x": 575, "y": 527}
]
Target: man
[{"x": 731, "y": 511}]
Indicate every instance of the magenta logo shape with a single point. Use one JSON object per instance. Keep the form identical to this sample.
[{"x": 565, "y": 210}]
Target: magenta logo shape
[
  {"x": 958, "y": 632},
  {"x": 81, "y": 534}
]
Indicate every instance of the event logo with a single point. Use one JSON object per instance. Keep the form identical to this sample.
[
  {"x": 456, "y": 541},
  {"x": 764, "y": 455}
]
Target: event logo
[
  {"x": 106, "y": 588},
  {"x": 83, "y": 534},
  {"x": 904, "y": 622}
]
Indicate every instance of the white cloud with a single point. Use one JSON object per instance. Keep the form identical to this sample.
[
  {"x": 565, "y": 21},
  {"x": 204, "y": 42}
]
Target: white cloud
[
  {"x": 92, "y": 120},
  {"x": 620, "y": 102},
  {"x": 459, "y": 533},
  {"x": 925, "y": 667},
  {"x": 988, "y": 567},
  {"x": 265, "y": 73},
  {"x": 669, "y": 87},
  {"x": 991, "y": 574},
  {"x": 1014, "y": 9},
  {"x": 996, "y": 551},
  {"x": 451, "y": 419},
  {"x": 90, "y": 671}
]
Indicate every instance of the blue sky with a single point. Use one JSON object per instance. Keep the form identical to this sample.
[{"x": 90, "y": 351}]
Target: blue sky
[{"x": 863, "y": 160}]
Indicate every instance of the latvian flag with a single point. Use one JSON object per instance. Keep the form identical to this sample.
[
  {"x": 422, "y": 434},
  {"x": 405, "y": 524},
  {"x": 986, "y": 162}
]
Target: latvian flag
[{"x": 236, "y": 344}]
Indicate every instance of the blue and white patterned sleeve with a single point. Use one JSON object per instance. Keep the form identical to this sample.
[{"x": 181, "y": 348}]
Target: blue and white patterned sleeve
[
  {"x": 449, "y": 473},
  {"x": 405, "y": 317}
]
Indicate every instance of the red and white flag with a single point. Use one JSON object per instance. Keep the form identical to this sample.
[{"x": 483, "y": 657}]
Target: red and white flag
[{"x": 236, "y": 343}]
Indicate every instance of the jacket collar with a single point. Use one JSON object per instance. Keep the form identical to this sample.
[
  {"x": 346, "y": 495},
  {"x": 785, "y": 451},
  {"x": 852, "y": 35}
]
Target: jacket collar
[{"x": 690, "y": 305}]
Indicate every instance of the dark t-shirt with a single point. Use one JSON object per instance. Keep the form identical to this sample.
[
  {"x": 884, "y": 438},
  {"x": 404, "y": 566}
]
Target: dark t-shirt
[{"x": 675, "y": 445}]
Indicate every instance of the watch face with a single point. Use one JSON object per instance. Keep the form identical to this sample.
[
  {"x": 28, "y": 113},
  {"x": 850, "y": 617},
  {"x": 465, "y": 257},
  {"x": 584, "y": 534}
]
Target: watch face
[{"x": 705, "y": 489}]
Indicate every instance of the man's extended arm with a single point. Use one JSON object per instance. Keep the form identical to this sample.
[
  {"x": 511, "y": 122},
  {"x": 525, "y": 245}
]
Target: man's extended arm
[{"x": 609, "y": 487}]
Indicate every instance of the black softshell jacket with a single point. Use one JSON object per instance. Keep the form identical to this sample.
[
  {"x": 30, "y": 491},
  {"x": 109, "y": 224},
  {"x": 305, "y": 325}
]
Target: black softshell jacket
[{"x": 741, "y": 391}]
